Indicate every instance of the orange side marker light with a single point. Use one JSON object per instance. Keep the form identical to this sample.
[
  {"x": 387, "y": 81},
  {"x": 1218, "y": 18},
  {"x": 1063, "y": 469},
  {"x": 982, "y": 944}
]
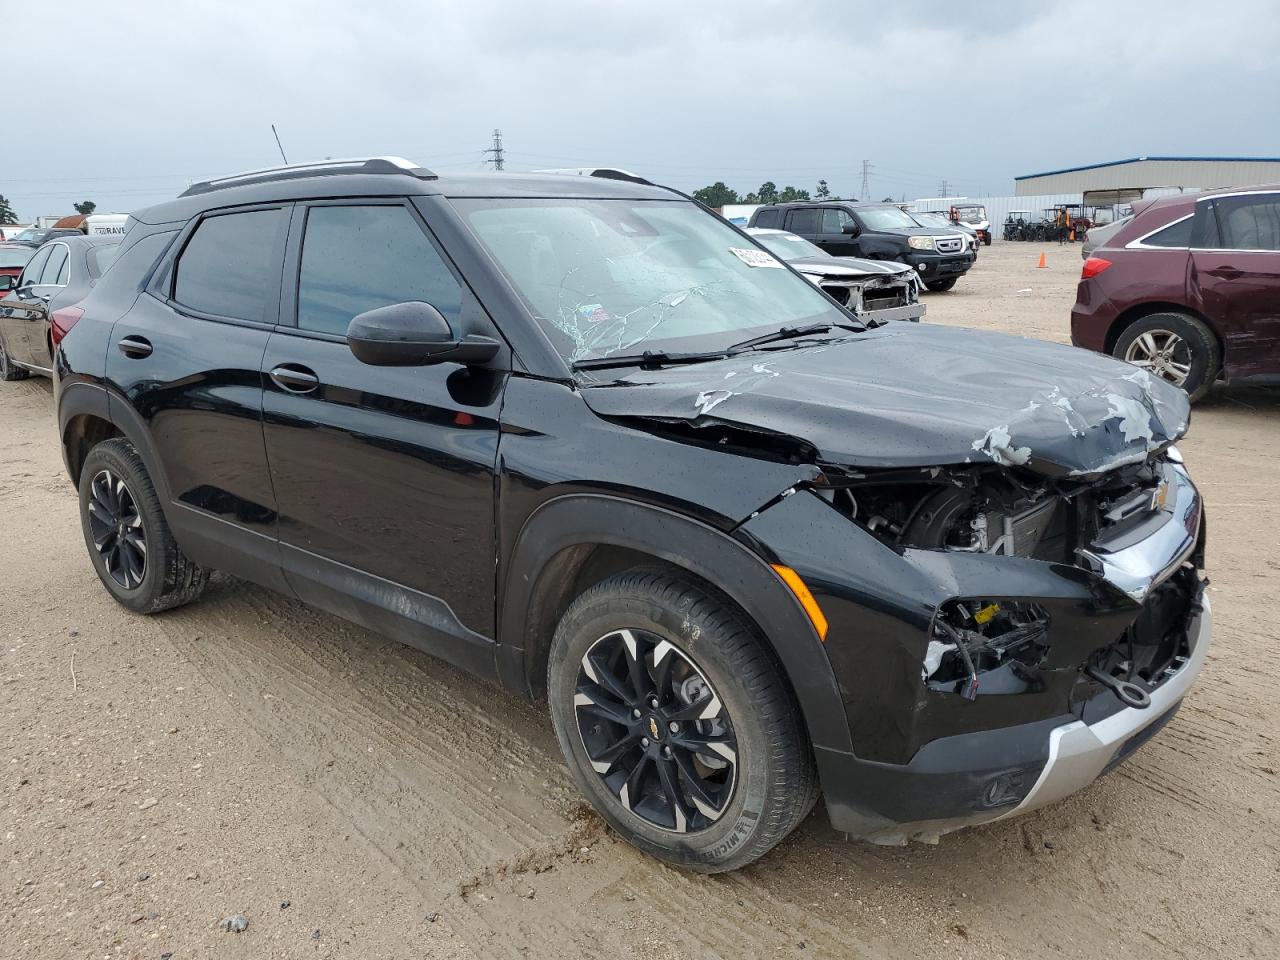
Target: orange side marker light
[{"x": 792, "y": 580}]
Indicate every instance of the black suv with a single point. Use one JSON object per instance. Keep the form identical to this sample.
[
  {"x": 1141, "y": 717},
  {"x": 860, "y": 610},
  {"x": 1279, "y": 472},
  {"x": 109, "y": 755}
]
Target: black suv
[
  {"x": 582, "y": 437},
  {"x": 875, "y": 231}
]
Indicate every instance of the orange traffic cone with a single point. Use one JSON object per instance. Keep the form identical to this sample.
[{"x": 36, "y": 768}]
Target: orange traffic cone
[{"x": 1041, "y": 265}]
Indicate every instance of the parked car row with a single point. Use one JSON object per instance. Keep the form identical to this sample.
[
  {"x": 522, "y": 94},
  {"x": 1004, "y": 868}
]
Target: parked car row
[
  {"x": 40, "y": 300},
  {"x": 954, "y": 576},
  {"x": 875, "y": 231}
]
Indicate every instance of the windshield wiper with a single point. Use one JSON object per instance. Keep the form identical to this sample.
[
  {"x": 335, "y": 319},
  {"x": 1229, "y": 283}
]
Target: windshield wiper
[
  {"x": 786, "y": 333},
  {"x": 650, "y": 358}
]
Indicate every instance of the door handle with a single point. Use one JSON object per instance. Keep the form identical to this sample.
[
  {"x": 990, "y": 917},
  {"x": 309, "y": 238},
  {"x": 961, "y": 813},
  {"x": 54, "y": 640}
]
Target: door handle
[
  {"x": 1226, "y": 272},
  {"x": 135, "y": 348},
  {"x": 294, "y": 377}
]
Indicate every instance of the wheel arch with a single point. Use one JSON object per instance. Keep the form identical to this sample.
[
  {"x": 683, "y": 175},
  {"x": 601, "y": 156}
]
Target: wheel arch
[
  {"x": 571, "y": 542},
  {"x": 1139, "y": 310},
  {"x": 87, "y": 416}
]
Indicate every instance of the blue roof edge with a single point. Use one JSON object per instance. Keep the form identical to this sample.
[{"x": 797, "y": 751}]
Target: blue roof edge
[{"x": 1117, "y": 163}]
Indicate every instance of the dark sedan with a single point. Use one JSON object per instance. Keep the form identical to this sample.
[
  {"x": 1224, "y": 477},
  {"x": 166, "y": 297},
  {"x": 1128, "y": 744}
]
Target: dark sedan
[
  {"x": 1189, "y": 289},
  {"x": 58, "y": 276}
]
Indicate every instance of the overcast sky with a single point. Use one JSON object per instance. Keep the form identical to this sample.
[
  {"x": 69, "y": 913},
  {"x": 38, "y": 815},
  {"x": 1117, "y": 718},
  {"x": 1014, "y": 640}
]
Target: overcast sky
[{"x": 124, "y": 103}]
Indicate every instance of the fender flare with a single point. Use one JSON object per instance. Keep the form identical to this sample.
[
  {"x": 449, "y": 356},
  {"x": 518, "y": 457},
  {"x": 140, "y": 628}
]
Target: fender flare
[
  {"x": 595, "y": 519},
  {"x": 90, "y": 399}
]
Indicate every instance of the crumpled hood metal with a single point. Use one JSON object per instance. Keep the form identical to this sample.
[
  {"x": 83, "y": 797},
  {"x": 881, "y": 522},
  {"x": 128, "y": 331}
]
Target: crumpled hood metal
[
  {"x": 851, "y": 268},
  {"x": 906, "y": 395}
]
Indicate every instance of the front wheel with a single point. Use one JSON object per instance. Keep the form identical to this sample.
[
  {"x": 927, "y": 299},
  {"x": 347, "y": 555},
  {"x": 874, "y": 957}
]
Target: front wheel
[
  {"x": 941, "y": 286},
  {"x": 677, "y": 723},
  {"x": 8, "y": 369},
  {"x": 1175, "y": 347},
  {"x": 129, "y": 541}
]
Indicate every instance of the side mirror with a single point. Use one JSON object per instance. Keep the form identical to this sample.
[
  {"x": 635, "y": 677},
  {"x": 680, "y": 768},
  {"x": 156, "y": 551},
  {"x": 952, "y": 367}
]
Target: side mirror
[
  {"x": 413, "y": 334},
  {"x": 850, "y": 229}
]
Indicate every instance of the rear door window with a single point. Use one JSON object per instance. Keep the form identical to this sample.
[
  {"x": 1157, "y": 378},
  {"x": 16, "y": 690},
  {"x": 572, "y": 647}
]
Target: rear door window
[
  {"x": 231, "y": 264},
  {"x": 803, "y": 222},
  {"x": 1250, "y": 222},
  {"x": 53, "y": 268},
  {"x": 358, "y": 258}
]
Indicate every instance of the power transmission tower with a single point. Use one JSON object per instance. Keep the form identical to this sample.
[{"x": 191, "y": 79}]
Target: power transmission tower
[
  {"x": 496, "y": 150},
  {"x": 866, "y": 179},
  {"x": 944, "y": 189}
]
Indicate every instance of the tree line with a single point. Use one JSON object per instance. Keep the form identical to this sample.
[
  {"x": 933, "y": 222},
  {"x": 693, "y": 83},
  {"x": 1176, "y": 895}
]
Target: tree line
[{"x": 719, "y": 194}]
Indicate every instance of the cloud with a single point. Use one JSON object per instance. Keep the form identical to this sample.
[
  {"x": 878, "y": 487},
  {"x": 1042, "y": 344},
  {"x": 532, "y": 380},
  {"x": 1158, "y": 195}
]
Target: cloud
[{"x": 150, "y": 94}]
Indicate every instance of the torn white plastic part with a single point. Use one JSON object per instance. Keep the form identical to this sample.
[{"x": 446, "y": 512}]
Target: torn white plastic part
[
  {"x": 998, "y": 445},
  {"x": 933, "y": 657}
]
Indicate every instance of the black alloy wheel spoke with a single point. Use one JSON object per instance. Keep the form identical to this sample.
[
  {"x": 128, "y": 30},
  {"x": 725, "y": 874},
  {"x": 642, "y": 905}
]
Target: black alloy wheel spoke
[
  {"x": 117, "y": 531},
  {"x": 655, "y": 731}
]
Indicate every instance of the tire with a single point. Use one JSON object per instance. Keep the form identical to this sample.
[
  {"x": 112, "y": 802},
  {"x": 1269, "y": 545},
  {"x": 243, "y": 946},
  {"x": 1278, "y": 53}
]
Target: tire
[
  {"x": 941, "y": 286},
  {"x": 165, "y": 578},
  {"x": 8, "y": 371},
  {"x": 1193, "y": 348},
  {"x": 771, "y": 784}
]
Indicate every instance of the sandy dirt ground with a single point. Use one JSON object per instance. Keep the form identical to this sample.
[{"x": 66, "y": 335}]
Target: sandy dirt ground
[{"x": 354, "y": 798}]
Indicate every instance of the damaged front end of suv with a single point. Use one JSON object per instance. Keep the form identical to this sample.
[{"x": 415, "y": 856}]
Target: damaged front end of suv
[{"x": 1008, "y": 573}]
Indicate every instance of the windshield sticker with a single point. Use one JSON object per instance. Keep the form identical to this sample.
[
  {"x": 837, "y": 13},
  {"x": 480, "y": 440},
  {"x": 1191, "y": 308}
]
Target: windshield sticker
[
  {"x": 594, "y": 313},
  {"x": 755, "y": 258}
]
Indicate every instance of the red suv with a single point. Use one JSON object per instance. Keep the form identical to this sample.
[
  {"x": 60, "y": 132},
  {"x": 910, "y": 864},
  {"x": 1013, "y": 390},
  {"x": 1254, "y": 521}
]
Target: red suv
[{"x": 1189, "y": 289}]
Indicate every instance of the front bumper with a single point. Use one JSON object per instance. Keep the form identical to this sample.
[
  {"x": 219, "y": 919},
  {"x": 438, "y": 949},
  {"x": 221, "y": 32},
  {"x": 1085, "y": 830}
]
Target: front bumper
[
  {"x": 920, "y": 761},
  {"x": 977, "y": 778}
]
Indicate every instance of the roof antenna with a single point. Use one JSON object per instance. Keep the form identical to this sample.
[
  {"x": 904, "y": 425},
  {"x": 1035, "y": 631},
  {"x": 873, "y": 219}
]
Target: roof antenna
[{"x": 278, "y": 144}]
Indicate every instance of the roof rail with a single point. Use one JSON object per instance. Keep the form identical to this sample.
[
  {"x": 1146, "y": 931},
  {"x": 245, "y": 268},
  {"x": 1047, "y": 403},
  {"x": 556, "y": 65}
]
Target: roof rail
[
  {"x": 320, "y": 168},
  {"x": 604, "y": 173}
]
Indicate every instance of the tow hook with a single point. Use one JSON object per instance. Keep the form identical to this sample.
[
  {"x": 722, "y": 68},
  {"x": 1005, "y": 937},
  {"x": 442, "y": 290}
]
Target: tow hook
[{"x": 1130, "y": 694}]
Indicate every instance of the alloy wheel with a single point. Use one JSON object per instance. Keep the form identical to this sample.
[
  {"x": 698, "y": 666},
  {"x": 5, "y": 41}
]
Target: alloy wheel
[
  {"x": 655, "y": 731},
  {"x": 115, "y": 525},
  {"x": 1163, "y": 353}
]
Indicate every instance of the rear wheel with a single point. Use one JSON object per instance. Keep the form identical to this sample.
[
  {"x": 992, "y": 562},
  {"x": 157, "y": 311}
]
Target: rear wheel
[
  {"x": 676, "y": 722},
  {"x": 942, "y": 286},
  {"x": 1175, "y": 347},
  {"x": 8, "y": 370},
  {"x": 129, "y": 541}
]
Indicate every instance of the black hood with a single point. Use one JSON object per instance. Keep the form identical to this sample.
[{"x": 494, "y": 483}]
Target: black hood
[
  {"x": 851, "y": 268},
  {"x": 906, "y": 395}
]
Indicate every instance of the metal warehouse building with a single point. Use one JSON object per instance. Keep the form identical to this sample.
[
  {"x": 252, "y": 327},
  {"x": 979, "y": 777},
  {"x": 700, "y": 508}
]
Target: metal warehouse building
[{"x": 1120, "y": 181}]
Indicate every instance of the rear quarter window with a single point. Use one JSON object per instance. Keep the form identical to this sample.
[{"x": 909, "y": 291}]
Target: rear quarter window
[
  {"x": 1177, "y": 234},
  {"x": 768, "y": 218}
]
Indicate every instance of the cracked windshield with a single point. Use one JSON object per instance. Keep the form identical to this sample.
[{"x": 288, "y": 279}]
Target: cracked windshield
[{"x": 605, "y": 277}]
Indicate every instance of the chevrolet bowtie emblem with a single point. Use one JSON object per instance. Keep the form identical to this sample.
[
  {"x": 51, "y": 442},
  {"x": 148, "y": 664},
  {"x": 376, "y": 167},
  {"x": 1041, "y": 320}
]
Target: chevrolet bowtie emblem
[
  {"x": 653, "y": 728},
  {"x": 1160, "y": 496}
]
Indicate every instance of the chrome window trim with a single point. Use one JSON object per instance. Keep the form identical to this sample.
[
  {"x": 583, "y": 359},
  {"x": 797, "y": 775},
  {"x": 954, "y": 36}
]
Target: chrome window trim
[{"x": 1137, "y": 242}]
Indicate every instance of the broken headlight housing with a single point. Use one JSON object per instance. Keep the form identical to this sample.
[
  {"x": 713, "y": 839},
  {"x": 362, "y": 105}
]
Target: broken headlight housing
[{"x": 996, "y": 646}]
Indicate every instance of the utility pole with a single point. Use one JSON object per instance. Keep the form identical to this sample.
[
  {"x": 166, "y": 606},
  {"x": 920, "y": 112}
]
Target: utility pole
[
  {"x": 496, "y": 150},
  {"x": 866, "y": 179}
]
